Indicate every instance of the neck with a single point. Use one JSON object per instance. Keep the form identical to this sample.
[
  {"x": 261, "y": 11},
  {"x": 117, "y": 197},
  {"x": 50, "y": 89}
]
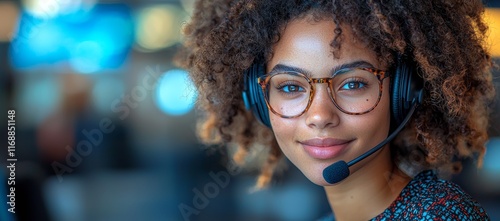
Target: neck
[{"x": 369, "y": 190}]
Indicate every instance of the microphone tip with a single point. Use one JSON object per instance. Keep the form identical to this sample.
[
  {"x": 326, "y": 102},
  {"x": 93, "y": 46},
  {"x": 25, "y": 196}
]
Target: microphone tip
[{"x": 336, "y": 172}]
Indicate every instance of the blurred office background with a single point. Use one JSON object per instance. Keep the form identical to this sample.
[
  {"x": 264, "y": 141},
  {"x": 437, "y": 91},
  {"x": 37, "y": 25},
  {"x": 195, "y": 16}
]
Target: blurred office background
[{"x": 105, "y": 125}]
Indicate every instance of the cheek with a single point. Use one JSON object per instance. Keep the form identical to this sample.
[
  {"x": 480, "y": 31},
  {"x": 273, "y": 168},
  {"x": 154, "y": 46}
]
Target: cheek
[
  {"x": 284, "y": 131},
  {"x": 373, "y": 126},
  {"x": 282, "y": 128}
]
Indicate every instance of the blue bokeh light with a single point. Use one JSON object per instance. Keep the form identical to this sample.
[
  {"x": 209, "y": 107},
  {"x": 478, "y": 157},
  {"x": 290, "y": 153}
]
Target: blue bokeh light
[
  {"x": 87, "y": 56},
  {"x": 175, "y": 93},
  {"x": 100, "y": 39}
]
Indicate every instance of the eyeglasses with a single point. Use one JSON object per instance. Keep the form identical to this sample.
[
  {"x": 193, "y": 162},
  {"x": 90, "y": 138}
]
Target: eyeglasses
[{"x": 354, "y": 91}]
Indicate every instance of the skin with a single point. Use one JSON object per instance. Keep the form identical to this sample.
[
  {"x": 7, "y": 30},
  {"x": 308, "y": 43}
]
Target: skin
[{"x": 375, "y": 182}]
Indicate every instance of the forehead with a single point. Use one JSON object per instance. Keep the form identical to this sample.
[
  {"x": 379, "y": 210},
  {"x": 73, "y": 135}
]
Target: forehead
[
  {"x": 306, "y": 35},
  {"x": 306, "y": 43}
]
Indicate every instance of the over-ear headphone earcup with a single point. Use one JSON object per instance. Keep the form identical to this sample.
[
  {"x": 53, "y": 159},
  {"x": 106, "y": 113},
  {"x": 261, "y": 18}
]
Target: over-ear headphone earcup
[
  {"x": 253, "y": 95},
  {"x": 399, "y": 87},
  {"x": 406, "y": 89}
]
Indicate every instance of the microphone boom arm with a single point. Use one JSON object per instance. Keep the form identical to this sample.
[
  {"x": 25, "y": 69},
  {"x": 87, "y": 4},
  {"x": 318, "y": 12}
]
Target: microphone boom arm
[{"x": 389, "y": 138}]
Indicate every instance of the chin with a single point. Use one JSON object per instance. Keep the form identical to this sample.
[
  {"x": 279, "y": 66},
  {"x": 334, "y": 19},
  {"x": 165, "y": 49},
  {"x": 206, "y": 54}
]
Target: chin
[
  {"x": 316, "y": 177},
  {"x": 319, "y": 180}
]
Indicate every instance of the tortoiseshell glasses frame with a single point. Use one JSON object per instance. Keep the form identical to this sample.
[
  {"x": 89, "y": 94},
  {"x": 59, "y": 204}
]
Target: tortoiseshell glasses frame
[{"x": 264, "y": 82}]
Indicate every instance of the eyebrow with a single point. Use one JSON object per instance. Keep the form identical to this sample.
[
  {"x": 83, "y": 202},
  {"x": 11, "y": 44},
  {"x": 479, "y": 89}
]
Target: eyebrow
[{"x": 354, "y": 64}]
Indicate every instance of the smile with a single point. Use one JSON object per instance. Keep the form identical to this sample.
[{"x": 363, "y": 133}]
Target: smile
[{"x": 323, "y": 149}]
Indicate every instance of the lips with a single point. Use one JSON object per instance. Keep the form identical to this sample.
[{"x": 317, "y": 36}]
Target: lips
[{"x": 326, "y": 148}]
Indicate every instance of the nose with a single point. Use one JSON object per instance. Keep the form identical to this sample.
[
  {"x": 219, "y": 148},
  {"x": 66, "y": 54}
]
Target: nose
[{"x": 322, "y": 113}]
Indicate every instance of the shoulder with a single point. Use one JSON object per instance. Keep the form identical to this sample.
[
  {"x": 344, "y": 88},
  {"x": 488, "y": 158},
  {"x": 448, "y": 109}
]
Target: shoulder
[{"x": 427, "y": 197}]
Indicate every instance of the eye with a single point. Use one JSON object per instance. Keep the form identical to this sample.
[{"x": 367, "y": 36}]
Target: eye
[
  {"x": 291, "y": 88},
  {"x": 354, "y": 84}
]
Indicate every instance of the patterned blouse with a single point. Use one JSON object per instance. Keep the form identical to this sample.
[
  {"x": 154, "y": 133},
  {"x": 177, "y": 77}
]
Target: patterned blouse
[{"x": 428, "y": 198}]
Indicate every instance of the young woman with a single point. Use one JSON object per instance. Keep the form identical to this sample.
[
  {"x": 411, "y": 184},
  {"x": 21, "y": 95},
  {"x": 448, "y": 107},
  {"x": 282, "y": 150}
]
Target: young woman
[{"x": 325, "y": 82}]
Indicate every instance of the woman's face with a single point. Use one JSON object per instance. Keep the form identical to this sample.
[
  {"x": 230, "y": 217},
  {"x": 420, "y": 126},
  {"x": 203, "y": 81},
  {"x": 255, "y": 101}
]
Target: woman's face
[{"x": 324, "y": 135}]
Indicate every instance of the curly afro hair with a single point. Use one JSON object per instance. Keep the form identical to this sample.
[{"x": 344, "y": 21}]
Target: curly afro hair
[{"x": 445, "y": 38}]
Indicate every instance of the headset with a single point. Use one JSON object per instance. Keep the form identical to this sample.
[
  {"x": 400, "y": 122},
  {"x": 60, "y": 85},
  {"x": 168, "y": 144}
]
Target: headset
[{"x": 406, "y": 91}]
